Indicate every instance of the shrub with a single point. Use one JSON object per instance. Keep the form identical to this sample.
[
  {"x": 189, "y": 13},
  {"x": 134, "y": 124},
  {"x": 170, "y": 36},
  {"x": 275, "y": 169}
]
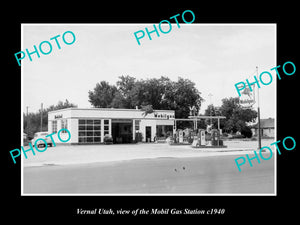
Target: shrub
[
  {"x": 138, "y": 137},
  {"x": 246, "y": 131},
  {"x": 108, "y": 139}
]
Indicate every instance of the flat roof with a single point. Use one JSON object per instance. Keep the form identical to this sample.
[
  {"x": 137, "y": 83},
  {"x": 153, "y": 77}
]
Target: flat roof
[
  {"x": 207, "y": 117},
  {"x": 109, "y": 109}
]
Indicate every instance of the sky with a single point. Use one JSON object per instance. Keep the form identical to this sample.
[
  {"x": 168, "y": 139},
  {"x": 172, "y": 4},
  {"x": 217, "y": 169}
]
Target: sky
[{"x": 214, "y": 56}]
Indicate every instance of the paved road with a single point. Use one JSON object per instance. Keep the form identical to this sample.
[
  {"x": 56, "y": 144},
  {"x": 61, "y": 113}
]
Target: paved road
[{"x": 201, "y": 175}]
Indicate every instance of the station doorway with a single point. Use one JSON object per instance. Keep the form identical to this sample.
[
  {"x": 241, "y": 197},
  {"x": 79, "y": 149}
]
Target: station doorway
[
  {"x": 148, "y": 134},
  {"x": 122, "y": 131}
]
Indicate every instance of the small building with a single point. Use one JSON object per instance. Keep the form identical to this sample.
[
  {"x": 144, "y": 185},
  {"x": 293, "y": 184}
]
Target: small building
[
  {"x": 267, "y": 128},
  {"x": 89, "y": 126}
]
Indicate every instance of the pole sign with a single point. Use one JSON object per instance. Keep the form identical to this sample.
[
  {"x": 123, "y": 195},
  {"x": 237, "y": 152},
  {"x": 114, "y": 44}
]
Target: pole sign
[{"x": 247, "y": 98}]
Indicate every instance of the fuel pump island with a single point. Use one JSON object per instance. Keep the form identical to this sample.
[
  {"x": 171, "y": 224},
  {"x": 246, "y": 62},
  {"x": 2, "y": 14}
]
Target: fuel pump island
[{"x": 198, "y": 138}]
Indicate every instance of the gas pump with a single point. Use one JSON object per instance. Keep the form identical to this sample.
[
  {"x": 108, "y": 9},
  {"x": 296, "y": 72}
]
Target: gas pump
[
  {"x": 215, "y": 138},
  {"x": 201, "y": 137}
]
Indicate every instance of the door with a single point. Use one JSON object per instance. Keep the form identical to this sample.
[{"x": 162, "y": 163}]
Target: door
[
  {"x": 122, "y": 131},
  {"x": 148, "y": 134}
]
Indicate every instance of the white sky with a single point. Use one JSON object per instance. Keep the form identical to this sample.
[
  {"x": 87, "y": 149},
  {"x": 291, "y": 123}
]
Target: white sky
[{"x": 214, "y": 56}]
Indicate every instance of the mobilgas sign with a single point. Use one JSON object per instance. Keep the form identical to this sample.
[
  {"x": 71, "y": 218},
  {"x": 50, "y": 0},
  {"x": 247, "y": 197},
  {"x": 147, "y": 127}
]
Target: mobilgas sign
[{"x": 247, "y": 98}]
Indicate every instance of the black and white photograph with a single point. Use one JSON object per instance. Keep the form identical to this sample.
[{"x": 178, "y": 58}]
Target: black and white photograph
[
  {"x": 158, "y": 117},
  {"x": 149, "y": 111}
]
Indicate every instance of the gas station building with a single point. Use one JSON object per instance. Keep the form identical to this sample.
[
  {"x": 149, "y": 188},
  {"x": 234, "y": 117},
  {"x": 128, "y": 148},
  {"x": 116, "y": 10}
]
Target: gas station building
[{"x": 90, "y": 125}]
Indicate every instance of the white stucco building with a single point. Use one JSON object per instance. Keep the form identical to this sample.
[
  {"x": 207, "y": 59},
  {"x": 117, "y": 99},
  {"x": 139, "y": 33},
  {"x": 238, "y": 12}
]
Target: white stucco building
[{"x": 89, "y": 126}]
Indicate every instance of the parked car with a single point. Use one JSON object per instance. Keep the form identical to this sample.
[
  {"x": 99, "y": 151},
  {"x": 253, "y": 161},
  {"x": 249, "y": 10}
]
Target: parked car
[{"x": 42, "y": 135}]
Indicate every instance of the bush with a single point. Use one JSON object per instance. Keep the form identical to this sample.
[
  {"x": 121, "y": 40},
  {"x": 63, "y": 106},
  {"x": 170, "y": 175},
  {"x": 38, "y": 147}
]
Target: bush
[
  {"x": 234, "y": 136},
  {"x": 108, "y": 139},
  {"x": 246, "y": 131},
  {"x": 225, "y": 135},
  {"x": 138, "y": 137}
]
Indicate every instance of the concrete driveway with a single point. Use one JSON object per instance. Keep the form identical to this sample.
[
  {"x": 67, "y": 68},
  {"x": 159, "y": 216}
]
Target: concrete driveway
[{"x": 80, "y": 154}]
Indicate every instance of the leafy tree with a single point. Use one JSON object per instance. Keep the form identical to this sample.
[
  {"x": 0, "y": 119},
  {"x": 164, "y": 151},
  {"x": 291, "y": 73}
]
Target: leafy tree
[
  {"x": 184, "y": 95},
  {"x": 159, "y": 93},
  {"x": 137, "y": 95},
  {"x": 32, "y": 121},
  {"x": 103, "y": 95},
  {"x": 213, "y": 111},
  {"x": 119, "y": 101},
  {"x": 236, "y": 116},
  {"x": 125, "y": 86},
  {"x": 152, "y": 93}
]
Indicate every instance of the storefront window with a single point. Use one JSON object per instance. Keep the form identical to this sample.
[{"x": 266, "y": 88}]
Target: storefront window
[
  {"x": 164, "y": 130},
  {"x": 64, "y": 125},
  {"x": 106, "y": 127},
  {"x": 89, "y": 131},
  {"x": 54, "y": 126},
  {"x": 137, "y": 125}
]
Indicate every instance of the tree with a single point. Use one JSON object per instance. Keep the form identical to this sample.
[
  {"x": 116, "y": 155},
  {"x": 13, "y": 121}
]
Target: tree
[
  {"x": 159, "y": 93},
  {"x": 103, "y": 95},
  {"x": 61, "y": 105},
  {"x": 184, "y": 95},
  {"x": 119, "y": 101},
  {"x": 211, "y": 110},
  {"x": 32, "y": 121},
  {"x": 152, "y": 93},
  {"x": 236, "y": 117},
  {"x": 125, "y": 86}
]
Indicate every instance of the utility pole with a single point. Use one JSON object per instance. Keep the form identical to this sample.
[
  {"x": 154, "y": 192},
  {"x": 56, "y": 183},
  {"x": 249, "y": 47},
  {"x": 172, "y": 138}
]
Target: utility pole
[
  {"x": 27, "y": 120},
  {"x": 258, "y": 114},
  {"x": 41, "y": 117},
  {"x": 210, "y": 95}
]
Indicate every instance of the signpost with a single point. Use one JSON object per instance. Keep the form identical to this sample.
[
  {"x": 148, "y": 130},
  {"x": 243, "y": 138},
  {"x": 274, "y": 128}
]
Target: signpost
[{"x": 247, "y": 100}]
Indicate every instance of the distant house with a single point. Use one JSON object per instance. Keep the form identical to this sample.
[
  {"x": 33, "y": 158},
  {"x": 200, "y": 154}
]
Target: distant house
[{"x": 267, "y": 128}]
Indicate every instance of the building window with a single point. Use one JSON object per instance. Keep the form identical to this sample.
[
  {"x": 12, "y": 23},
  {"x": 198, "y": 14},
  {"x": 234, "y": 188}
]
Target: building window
[
  {"x": 164, "y": 130},
  {"x": 137, "y": 125},
  {"x": 54, "y": 126},
  {"x": 89, "y": 131},
  {"x": 106, "y": 127},
  {"x": 64, "y": 125}
]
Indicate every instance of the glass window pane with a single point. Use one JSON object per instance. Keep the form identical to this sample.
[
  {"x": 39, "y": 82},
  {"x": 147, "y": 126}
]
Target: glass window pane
[
  {"x": 106, "y": 127},
  {"x": 89, "y": 139},
  {"x": 54, "y": 126},
  {"x": 97, "y": 121},
  {"x": 97, "y": 133},
  {"x": 97, "y": 139},
  {"x": 89, "y": 127},
  {"x": 82, "y": 139},
  {"x": 82, "y": 127},
  {"x": 89, "y": 133},
  {"x": 106, "y": 121},
  {"x": 106, "y": 132},
  {"x": 89, "y": 122},
  {"x": 97, "y": 127},
  {"x": 81, "y": 121},
  {"x": 82, "y": 133}
]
